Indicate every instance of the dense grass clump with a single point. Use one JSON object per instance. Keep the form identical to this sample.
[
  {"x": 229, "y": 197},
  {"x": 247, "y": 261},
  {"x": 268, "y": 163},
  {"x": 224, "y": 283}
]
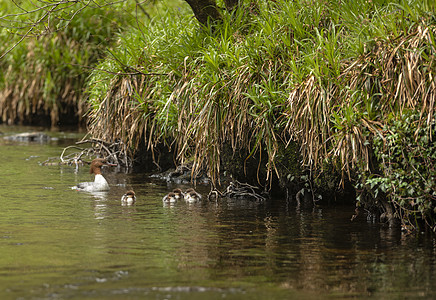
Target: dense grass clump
[
  {"x": 330, "y": 76},
  {"x": 42, "y": 78}
]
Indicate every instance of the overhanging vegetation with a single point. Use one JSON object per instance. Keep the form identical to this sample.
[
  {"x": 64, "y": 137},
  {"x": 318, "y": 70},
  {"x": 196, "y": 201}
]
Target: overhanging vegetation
[
  {"x": 329, "y": 76},
  {"x": 337, "y": 79}
]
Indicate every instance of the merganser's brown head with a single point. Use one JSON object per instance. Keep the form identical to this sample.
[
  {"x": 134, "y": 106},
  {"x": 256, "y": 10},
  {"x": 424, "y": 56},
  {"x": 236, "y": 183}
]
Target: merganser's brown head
[{"x": 96, "y": 165}]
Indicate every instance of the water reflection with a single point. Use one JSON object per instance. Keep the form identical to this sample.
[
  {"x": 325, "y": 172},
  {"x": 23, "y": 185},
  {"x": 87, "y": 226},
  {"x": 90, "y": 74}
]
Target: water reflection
[
  {"x": 60, "y": 243},
  {"x": 316, "y": 250},
  {"x": 100, "y": 204}
]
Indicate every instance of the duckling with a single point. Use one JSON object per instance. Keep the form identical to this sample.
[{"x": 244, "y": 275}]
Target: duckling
[
  {"x": 192, "y": 196},
  {"x": 128, "y": 198},
  {"x": 178, "y": 194},
  {"x": 170, "y": 198}
]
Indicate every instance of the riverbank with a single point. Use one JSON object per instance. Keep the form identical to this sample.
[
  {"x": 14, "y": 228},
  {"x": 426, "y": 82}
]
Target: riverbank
[
  {"x": 307, "y": 98},
  {"x": 315, "y": 98}
]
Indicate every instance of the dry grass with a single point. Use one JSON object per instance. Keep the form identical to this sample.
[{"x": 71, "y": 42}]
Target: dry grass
[
  {"x": 31, "y": 93},
  {"x": 337, "y": 120},
  {"x": 260, "y": 87}
]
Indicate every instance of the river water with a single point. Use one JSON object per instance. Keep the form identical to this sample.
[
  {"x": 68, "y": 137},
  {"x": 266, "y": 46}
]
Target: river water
[{"x": 57, "y": 243}]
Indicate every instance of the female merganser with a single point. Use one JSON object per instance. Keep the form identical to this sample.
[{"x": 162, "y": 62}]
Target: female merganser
[
  {"x": 128, "y": 198},
  {"x": 192, "y": 196},
  {"x": 170, "y": 198},
  {"x": 99, "y": 183}
]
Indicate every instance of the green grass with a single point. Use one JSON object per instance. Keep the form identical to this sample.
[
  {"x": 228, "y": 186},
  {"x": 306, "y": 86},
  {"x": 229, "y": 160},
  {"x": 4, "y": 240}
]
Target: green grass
[
  {"x": 44, "y": 75},
  {"x": 327, "y": 75},
  {"x": 330, "y": 76}
]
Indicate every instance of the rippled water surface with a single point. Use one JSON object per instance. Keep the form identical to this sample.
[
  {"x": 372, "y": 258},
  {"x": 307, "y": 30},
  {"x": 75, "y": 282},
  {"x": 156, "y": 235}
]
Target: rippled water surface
[{"x": 57, "y": 243}]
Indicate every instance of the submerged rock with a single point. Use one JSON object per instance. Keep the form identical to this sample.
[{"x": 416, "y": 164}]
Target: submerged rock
[{"x": 30, "y": 137}]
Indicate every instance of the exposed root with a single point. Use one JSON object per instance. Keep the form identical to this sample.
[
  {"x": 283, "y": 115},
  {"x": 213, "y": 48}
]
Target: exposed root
[
  {"x": 238, "y": 190},
  {"x": 116, "y": 153}
]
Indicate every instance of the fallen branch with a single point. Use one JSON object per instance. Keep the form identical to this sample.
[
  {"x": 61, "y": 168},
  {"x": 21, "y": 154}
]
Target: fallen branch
[{"x": 115, "y": 153}]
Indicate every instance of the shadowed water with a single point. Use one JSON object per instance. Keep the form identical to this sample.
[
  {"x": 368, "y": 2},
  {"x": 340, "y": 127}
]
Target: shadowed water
[{"x": 57, "y": 243}]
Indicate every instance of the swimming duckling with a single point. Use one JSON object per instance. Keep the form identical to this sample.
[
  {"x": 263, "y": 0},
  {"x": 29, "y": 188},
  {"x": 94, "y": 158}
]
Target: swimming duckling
[
  {"x": 178, "y": 194},
  {"x": 192, "y": 196},
  {"x": 170, "y": 198},
  {"x": 128, "y": 198}
]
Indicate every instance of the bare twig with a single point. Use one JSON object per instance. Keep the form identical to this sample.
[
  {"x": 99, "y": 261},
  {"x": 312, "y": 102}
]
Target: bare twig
[
  {"x": 115, "y": 152},
  {"x": 49, "y": 8},
  {"x": 238, "y": 190}
]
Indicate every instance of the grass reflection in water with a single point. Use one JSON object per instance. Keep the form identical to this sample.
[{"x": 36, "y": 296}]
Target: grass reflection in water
[{"x": 60, "y": 243}]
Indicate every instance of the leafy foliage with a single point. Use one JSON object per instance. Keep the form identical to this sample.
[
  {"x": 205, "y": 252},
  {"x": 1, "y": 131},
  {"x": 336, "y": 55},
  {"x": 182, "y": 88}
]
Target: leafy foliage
[{"x": 407, "y": 164}]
